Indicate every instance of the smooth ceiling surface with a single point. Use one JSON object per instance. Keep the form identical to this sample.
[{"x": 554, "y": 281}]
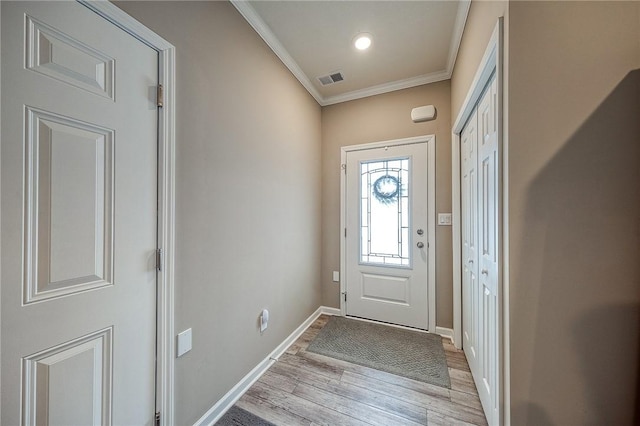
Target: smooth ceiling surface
[{"x": 414, "y": 42}]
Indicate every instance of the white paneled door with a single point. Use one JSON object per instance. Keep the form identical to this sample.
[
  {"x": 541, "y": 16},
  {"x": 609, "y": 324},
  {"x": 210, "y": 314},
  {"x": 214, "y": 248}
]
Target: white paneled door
[
  {"x": 488, "y": 249},
  {"x": 469, "y": 207},
  {"x": 386, "y": 241},
  {"x": 79, "y": 155},
  {"x": 479, "y": 208}
]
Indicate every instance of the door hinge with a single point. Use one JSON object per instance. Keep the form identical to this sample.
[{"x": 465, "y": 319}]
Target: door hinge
[
  {"x": 160, "y": 96},
  {"x": 345, "y": 295},
  {"x": 159, "y": 259},
  {"x": 158, "y": 418},
  {"x": 343, "y": 167},
  {"x": 345, "y": 232}
]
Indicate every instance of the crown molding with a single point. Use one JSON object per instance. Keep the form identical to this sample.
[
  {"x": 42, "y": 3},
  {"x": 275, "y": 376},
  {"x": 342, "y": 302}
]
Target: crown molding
[
  {"x": 252, "y": 17},
  {"x": 458, "y": 30},
  {"x": 387, "y": 87}
]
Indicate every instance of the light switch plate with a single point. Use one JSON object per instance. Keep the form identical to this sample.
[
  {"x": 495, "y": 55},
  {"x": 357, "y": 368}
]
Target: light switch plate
[
  {"x": 336, "y": 276},
  {"x": 444, "y": 219},
  {"x": 184, "y": 342}
]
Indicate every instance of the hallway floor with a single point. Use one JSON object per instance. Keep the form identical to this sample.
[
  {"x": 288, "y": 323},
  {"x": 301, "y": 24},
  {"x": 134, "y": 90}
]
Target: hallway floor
[{"x": 305, "y": 388}]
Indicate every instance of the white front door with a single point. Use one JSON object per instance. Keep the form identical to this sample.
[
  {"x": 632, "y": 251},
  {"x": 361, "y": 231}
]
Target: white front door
[
  {"x": 386, "y": 241},
  {"x": 78, "y": 278}
]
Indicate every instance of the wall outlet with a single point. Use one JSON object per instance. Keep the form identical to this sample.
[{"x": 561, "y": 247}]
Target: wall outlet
[
  {"x": 336, "y": 276},
  {"x": 264, "y": 320},
  {"x": 444, "y": 219},
  {"x": 184, "y": 342}
]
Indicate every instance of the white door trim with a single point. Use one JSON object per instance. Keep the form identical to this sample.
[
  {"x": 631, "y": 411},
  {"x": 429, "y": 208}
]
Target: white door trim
[
  {"x": 430, "y": 140},
  {"x": 492, "y": 62},
  {"x": 166, "y": 199}
]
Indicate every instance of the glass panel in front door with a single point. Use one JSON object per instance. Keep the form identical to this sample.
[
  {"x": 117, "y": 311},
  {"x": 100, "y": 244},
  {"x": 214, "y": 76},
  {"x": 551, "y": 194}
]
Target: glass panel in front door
[{"x": 384, "y": 212}]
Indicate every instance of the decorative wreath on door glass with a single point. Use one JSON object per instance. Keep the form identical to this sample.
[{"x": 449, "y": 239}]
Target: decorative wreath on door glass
[{"x": 386, "y": 189}]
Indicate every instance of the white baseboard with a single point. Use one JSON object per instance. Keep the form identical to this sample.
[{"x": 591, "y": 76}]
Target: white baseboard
[
  {"x": 445, "y": 332},
  {"x": 226, "y": 402},
  {"x": 330, "y": 311}
]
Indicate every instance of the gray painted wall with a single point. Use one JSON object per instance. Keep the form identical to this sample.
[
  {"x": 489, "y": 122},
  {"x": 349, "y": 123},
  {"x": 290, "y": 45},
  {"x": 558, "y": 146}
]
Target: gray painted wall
[
  {"x": 573, "y": 135},
  {"x": 248, "y": 196},
  {"x": 574, "y": 188}
]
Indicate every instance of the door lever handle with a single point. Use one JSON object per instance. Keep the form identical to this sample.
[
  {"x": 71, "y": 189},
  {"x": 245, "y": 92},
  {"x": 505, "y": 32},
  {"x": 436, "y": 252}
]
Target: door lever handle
[{"x": 484, "y": 272}]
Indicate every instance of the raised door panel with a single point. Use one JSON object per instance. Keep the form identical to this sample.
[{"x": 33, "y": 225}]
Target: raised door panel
[
  {"x": 386, "y": 289},
  {"x": 70, "y": 384},
  {"x": 69, "y": 200},
  {"x": 55, "y": 54}
]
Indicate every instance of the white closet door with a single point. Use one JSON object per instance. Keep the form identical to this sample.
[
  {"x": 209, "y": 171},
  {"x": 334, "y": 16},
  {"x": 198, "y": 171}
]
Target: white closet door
[
  {"x": 469, "y": 204},
  {"x": 480, "y": 250},
  {"x": 488, "y": 244}
]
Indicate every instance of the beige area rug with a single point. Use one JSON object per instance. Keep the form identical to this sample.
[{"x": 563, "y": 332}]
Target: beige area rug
[{"x": 412, "y": 354}]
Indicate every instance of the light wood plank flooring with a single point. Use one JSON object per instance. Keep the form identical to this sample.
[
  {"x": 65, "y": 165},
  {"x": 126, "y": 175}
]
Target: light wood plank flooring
[{"x": 304, "y": 388}]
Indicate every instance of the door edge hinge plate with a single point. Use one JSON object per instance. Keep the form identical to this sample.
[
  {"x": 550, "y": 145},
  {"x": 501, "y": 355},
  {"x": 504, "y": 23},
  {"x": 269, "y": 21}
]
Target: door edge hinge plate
[
  {"x": 160, "y": 96},
  {"x": 159, "y": 259}
]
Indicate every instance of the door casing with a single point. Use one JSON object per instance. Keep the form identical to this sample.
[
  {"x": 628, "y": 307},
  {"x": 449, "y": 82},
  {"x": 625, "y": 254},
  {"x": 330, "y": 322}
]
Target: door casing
[
  {"x": 430, "y": 140},
  {"x": 166, "y": 199},
  {"x": 492, "y": 62}
]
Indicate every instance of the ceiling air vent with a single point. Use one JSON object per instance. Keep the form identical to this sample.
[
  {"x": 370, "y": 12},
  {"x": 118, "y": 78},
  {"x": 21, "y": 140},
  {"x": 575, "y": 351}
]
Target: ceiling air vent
[{"x": 331, "y": 78}]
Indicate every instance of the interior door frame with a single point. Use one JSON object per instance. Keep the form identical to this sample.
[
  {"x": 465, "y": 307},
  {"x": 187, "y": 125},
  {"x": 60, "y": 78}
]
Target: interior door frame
[
  {"x": 430, "y": 140},
  {"x": 492, "y": 63},
  {"x": 166, "y": 199}
]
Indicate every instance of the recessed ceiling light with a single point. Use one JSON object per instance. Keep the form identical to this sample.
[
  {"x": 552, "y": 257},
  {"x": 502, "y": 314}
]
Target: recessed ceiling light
[{"x": 362, "y": 41}]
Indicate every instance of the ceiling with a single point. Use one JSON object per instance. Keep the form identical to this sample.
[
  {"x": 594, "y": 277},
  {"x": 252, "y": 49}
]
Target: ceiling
[{"x": 414, "y": 42}]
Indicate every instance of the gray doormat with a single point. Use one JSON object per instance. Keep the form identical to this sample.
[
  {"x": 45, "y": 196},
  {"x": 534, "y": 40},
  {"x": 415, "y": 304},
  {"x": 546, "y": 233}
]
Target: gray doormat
[
  {"x": 412, "y": 354},
  {"x": 237, "y": 416}
]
